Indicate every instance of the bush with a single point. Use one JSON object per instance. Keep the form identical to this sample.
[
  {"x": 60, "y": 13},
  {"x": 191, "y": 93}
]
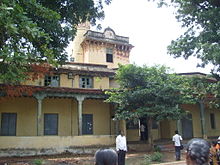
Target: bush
[
  {"x": 147, "y": 160},
  {"x": 156, "y": 157},
  {"x": 157, "y": 148},
  {"x": 38, "y": 162}
]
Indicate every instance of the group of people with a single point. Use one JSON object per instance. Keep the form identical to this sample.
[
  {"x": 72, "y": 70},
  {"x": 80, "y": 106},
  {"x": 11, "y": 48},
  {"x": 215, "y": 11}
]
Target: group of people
[{"x": 198, "y": 151}]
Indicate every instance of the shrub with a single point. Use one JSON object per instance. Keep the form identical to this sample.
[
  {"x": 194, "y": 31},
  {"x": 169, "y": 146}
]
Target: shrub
[
  {"x": 157, "y": 148},
  {"x": 38, "y": 162},
  {"x": 156, "y": 157},
  {"x": 147, "y": 160}
]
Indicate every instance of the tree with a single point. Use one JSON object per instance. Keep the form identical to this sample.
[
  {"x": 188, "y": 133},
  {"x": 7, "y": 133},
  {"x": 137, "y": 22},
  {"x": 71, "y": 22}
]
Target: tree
[
  {"x": 202, "y": 36},
  {"x": 147, "y": 92},
  {"x": 38, "y": 31}
]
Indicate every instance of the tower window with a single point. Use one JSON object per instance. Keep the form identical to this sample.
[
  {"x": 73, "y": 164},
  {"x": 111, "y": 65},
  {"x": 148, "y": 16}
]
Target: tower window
[{"x": 109, "y": 55}]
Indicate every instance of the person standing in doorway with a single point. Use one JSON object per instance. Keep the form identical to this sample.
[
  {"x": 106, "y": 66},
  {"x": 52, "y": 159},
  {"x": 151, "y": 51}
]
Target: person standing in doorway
[
  {"x": 121, "y": 148},
  {"x": 177, "y": 143},
  {"x": 142, "y": 130}
]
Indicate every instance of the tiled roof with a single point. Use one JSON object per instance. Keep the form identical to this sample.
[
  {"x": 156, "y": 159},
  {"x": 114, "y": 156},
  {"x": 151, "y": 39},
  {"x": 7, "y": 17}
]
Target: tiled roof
[{"x": 54, "y": 89}]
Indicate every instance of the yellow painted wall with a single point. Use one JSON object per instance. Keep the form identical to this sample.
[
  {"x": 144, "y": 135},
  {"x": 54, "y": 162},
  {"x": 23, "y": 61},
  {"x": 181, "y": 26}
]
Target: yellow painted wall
[
  {"x": 65, "y": 82},
  {"x": 101, "y": 82},
  {"x": 194, "y": 110},
  {"x": 96, "y": 53},
  {"x": 58, "y": 142},
  {"x": 133, "y": 135},
  {"x": 216, "y": 131},
  {"x": 26, "y": 109},
  {"x": 113, "y": 83},
  {"x": 165, "y": 129},
  {"x": 63, "y": 108},
  {"x": 101, "y": 115}
]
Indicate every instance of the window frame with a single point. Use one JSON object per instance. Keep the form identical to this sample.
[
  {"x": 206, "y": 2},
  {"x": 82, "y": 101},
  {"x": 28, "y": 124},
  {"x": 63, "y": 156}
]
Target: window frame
[
  {"x": 212, "y": 121},
  {"x": 47, "y": 132},
  {"x": 109, "y": 55},
  {"x": 49, "y": 78},
  {"x": 10, "y": 116},
  {"x": 86, "y": 85}
]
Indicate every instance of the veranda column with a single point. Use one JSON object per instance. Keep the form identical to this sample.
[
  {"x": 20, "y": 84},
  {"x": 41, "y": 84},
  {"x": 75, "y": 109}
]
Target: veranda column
[
  {"x": 80, "y": 100},
  {"x": 39, "y": 114},
  {"x": 202, "y": 117},
  {"x": 179, "y": 127}
]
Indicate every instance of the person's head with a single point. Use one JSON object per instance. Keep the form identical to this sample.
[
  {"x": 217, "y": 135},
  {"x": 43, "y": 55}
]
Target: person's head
[
  {"x": 197, "y": 152},
  {"x": 121, "y": 132},
  {"x": 214, "y": 143},
  {"x": 106, "y": 157},
  {"x": 176, "y": 132}
]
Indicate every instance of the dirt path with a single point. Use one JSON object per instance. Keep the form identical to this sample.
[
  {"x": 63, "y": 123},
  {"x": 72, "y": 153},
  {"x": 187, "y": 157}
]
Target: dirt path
[{"x": 69, "y": 159}]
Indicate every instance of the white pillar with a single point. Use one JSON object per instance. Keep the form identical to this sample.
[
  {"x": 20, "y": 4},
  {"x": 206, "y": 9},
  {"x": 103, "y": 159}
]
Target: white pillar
[{"x": 80, "y": 100}]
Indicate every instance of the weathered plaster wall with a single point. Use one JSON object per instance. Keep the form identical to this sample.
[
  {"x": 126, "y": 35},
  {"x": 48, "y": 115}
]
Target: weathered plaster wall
[{"x": 101, "y": 115}]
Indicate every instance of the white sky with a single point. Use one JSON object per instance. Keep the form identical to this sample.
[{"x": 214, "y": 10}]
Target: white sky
[{"x": 150, "y": 30}]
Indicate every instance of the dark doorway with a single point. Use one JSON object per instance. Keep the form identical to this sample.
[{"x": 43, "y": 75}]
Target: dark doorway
[
  {"x": 143, "y": 129},
  {"x": 87, "y": 125},
  {"x": 187, "y": 127}
]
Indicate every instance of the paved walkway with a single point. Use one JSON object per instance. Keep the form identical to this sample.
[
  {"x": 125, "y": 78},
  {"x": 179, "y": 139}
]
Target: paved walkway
[{"x": 183, "y": 162}]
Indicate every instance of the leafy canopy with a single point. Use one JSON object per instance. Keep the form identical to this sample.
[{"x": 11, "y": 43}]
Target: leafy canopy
[
  {"x": 38, "y": 31},
  {"x": 147, "y": 91},
  {"x": 202, "y": 36}
]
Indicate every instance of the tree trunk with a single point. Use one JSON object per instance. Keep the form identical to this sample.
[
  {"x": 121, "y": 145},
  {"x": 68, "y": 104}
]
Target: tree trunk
[{"x": 150, "y": 137}]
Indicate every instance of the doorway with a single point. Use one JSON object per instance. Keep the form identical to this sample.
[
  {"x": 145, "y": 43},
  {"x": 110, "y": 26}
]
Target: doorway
[{"x": 187, "y": 127}]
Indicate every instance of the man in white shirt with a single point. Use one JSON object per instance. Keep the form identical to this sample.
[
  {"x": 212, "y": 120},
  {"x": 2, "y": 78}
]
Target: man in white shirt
[
  {"x": 121, "y": 148},
  {"x": 177, "y": 143}
]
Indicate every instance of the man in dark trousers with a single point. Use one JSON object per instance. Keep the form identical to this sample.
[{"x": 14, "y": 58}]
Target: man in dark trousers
[
  {"x": 177, "y": 143},
  {"x": 121, "y": 147}
]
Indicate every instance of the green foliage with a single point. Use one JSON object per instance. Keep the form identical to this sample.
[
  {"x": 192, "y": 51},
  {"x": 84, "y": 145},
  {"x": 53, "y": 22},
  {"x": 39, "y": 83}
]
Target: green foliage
[
  {"x": 155, "y": 157},
  {"x": 201, "y": 39},
  {"x": 147, "y": 160},
  {"x": 147, "y": 91},
  {"x": 157, "y": 148},
  {"x": 38, "y": 162},
  {"x": 38, "y": 31}
]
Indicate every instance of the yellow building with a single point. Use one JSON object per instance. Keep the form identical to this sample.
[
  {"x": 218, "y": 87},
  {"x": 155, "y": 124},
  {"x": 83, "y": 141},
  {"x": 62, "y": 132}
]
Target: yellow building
[{"x": 67, "y": 112}]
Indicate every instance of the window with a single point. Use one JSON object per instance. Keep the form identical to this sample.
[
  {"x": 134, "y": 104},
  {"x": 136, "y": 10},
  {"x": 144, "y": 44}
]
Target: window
[
  {"x": 132, "y": 125},
  {"x": 50, "y": 124},
  {"x": 109, "y": 55},
  {"x": 52, "y": 81},
  {"x": 8, "y": 124},
  {"x": 212, "y": 120},
  {"x": 85, "y": 82},
  {"x": 87, "y": 124}
]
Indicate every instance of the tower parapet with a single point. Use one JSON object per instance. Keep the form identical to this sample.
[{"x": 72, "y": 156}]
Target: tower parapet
[{"x": 103, "y": 48}]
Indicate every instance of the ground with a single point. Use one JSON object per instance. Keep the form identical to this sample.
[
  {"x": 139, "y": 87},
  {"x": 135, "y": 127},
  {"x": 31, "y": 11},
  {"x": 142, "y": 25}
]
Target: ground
[{"x": 69, "y": 159}]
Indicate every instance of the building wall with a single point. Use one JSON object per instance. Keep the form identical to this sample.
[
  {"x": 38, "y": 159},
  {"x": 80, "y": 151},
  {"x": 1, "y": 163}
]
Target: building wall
[
  {"x": 67, "y": 115},
  {"x": 101, "y": 115},
  {"x": 26, "y": 114},
  {"x": 96, "y": 53},
  {"x": 65, "y": 112}
]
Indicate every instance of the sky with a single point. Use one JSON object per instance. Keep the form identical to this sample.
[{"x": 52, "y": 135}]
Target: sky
[{"x": 150, "y": 31}]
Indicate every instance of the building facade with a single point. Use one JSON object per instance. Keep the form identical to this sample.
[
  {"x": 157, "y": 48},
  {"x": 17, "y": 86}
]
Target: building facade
[{"x": 66, "y": 111}]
